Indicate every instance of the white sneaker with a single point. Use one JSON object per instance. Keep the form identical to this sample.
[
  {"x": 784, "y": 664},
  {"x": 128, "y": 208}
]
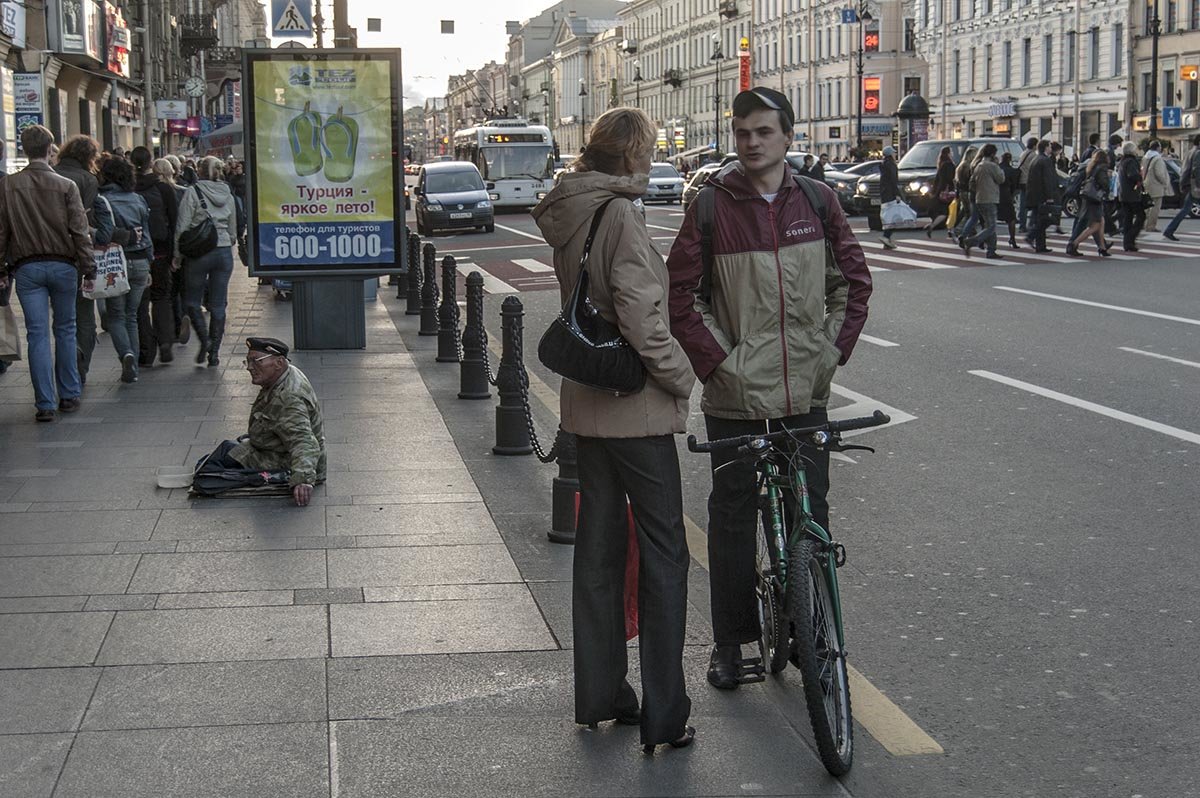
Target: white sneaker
[{"x": 887, "y": 242}]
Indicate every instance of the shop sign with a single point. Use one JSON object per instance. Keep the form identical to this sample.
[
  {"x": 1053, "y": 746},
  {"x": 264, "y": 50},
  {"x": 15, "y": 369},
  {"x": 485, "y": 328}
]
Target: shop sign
[
  {"x": 835, "y": 132},
  {"x": 170, "y": 109},
  {"x": 223, "y": 120},
  {"x": 1003, "y": 108},
  {"x": 77, "y": 26},
  {"x": 118, "y": 41},
  {"x": 1141, "y": 124},
  {"x": 129, "y": 108},
  {"x": 743, "y": 71},
  {"x": 877, "y": 128},
  {"x": 1189, "y": 72},
  {"x": 321, "y": 129},
  {"x": 193, "y": 126},
  {"x": 237, "y": 99},
  {"x": 179, "y": 126},
  {"x": 28, "y": 90},
  {"x": 12, "y": 21}
]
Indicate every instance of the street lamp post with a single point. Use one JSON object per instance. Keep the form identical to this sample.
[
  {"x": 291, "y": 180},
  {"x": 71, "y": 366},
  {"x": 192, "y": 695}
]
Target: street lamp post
[
  {"x": 637, "y": 82},
  {"x": 1155, "y": 33},
  {"x": 864, "y": 16},
  {"x": 717, "y": 57},
  {"x": 582, "y": 112}
]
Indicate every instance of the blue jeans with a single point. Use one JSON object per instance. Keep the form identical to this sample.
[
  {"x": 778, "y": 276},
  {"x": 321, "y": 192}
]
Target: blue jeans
[
  {"x": 208, "y": 275},
  {"x": 44, "y": 287},
  {"x": 1022, "y": 208},
  {"x": 987, "y": 217},
  {"x": 1184, "y": 210},
  {"x": 122, "y": 311}
]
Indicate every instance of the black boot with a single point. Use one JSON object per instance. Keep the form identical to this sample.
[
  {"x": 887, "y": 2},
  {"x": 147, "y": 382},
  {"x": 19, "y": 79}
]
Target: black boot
[
  {"x": 216, "y": 331},
  {"x": 725, "y": 666},
  {"x": 197, "y": 319},
  {"x": 163, "y": 320}
]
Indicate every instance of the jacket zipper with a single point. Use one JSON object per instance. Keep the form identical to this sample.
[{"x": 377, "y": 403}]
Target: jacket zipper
[{"x": 787, "y": 387}]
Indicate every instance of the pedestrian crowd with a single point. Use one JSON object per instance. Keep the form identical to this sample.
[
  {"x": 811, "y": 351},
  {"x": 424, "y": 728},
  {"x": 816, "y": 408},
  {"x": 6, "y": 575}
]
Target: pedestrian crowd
[
  {"x": 764, "y": 329},
  {"x": 1116, "y": 189},
  {"x": 75, "y": 205}
]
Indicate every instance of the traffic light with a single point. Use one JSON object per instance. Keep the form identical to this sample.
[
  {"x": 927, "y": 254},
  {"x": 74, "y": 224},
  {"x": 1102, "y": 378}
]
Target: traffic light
[{"x": 870, "y": 95}]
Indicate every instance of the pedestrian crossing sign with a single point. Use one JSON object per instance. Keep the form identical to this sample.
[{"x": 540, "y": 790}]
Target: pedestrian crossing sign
[{"x": 291, "y": 19}]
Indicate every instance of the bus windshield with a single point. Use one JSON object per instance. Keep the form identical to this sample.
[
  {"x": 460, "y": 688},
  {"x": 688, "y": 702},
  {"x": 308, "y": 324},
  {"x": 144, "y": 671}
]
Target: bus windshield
[{"x": 515, "y": 162}]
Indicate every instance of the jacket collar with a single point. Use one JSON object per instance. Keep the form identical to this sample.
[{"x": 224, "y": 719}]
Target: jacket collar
[{"x": 734, "y": 180}]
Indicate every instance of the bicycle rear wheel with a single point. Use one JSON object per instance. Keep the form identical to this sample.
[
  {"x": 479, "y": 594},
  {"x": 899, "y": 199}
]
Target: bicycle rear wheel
[
  {"x": 819, "y": 657},
  {"x": 773, "y": 640}
]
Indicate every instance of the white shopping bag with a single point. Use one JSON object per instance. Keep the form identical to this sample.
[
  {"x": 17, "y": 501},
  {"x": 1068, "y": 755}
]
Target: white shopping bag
[{"x": 896, "y": 214}]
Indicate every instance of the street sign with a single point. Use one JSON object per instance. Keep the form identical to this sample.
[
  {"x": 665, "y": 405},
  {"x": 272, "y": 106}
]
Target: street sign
[
  {"x": 849, "y": 16},
  {"x": 1172, "y": 116},
  {"x": 291, "y": 19}
]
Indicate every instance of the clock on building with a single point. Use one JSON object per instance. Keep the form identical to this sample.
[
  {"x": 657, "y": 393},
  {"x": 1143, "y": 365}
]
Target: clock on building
[{"x": 194, "y": 86}]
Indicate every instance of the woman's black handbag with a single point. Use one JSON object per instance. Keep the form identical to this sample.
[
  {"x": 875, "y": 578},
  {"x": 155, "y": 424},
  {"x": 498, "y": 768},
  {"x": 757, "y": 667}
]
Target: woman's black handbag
[
  {"x": 1091, "y": 190},
  {"x": 582, "y": 347},
  {"x": 198, "y": 241}
]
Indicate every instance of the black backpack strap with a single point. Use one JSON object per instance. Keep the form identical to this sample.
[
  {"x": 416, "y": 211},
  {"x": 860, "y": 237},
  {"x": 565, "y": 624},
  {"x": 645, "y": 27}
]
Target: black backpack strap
[
  {"x": 808, "y": 186},
  {"x": 706, "y": 219}
]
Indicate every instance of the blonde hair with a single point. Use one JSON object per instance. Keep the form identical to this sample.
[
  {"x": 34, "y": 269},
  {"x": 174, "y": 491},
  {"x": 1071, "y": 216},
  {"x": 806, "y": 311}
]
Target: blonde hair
[
  {"x": 210, "y": 168},
  {"x": 163, "y": 168},
  {"x": 619, "y": 137},
  {"x": 175, "y": 162}
]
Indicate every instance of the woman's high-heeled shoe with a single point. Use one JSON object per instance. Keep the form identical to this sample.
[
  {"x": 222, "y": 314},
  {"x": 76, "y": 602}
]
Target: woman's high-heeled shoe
[{"x": 689, "y": 736}]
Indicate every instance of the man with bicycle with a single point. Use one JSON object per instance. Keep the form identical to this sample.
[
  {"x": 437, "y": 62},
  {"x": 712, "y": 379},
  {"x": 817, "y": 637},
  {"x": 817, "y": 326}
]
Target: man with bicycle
[{"x": 769, "y": 293}]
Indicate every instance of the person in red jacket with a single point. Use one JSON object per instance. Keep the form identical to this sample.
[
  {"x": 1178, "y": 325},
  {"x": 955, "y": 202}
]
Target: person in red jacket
[{"x": 764, "y": 333}]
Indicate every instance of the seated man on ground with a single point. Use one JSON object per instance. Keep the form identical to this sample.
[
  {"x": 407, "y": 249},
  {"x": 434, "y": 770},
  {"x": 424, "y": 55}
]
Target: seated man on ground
[{"x": 286, "y": 431}]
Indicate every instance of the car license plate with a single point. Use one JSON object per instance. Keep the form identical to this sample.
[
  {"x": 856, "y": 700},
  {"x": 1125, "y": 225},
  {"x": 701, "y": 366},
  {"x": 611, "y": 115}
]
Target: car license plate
[
  {"x": 460, "y": 216},
  {"x": 873, "y": 202}
]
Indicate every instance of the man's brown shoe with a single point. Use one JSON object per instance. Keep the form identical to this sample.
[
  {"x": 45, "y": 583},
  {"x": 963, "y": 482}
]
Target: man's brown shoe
[
  {"x": 44, "y": 415},
  {"x": 68, "y": 405}
]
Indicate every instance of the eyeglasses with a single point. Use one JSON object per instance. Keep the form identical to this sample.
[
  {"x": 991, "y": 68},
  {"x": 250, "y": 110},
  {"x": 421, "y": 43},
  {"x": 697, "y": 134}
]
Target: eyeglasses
[{"x": 247, "y": 362}]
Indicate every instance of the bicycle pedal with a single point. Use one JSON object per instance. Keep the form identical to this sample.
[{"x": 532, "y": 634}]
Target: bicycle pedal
[
  {"x": 839, "y": 555},
  {"x": 752, "y": 670}
]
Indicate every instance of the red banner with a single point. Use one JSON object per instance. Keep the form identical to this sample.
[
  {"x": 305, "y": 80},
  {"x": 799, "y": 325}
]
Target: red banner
[{"x": 743, "y": 71}]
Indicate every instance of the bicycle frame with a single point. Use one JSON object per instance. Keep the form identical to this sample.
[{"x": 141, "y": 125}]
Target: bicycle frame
[{"x": 774, "y": 484}]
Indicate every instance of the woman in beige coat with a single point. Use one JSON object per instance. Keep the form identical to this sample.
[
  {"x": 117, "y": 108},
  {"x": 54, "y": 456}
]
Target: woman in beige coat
[
  {"x": 625, "y": 443},
  {"x": 1157, "y": 182}
]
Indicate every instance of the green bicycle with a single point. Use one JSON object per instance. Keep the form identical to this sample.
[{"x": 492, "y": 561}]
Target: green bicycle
[{"x": 799, "y": 604}]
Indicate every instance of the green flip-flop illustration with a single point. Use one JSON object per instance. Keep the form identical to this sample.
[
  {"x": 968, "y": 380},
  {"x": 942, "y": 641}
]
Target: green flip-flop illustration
[
  {"x": 340, "y": 142},
  {"x": 304, "y": 135}
]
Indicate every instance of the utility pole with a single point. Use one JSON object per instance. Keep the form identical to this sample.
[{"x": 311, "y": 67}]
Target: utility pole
[
  {"x": 717, "y": 57},
  {"x": 318, "y": 24},
  {"x": 1155, "y": 33},
  {"x": 341, "y": 24},
  {"x": 148, "y": 114}
]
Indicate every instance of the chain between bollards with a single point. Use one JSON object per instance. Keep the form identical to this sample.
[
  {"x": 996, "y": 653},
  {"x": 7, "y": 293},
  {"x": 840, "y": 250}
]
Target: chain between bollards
[
  {"x": 429, "y": 293},
  {"x": 473, "y": 375},
  {"x": 449, "y": 347},
  {"x": 412, "y": 285}
]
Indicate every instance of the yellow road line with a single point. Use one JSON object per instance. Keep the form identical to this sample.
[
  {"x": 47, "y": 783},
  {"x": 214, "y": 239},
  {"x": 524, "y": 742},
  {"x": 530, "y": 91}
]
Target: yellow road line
[{"x": 878, "y": 714}]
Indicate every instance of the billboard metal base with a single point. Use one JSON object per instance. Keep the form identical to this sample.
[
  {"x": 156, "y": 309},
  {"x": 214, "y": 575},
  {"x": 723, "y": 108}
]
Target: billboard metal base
[{"x": 329, "y": 313}]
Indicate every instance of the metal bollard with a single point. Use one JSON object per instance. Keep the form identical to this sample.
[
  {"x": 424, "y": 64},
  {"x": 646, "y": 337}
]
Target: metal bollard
[
  {"x": 429, "y": 294},
  {"x": 564, "y": 491},
  {"x": 448, "y": 313},
  {"x": 512, "y": 433},
  {"x": 473, "y": 378},
  {"x": 414, "y": 276}
]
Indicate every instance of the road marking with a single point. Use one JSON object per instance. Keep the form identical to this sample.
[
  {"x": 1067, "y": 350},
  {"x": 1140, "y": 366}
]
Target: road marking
[
  {"x": 882, "y": 719},
  {"x": 1119, "y": 415},
  {"x": 863, "y": 405},
  {"x": 886, "y": 722},
  {"x": 1089, "y": 303},
  {"x": 877, "y": 341},
  {"x": 660, "y": 227},
  {"x": 521, "y": 233},
  {"x": 1040, "y": 257},
  {"x": 1157, "y": 355},
  {"x": 489, "y": 249},
  {"x": 533, "y": 265},
  {"x": 491, "y": 283},
  {"x": 919, "y": 264}
]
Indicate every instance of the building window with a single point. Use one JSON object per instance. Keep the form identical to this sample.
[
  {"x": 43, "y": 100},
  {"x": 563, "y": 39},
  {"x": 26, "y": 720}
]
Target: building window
[
  {"x": 1007, "y": 83},
  {"x": 910, "y": 34},
  {"x": 972, "y": 70},
  {"x": 957, "y": 11},
  {"x": 1026, "y": 61},
  {"x": 987, "y": 6},
  {"x": 1118, "y": 49},
  {"x": 1193, "y": 93},
  {"x": 1071, "y": 55},
  {"x": 1147, "y": 90},
  {"x": 1168, "y": 95},
  {"x": 912, "y": 85},
  {"x": 1194, "y": 16},
  {"x": 1093, "y": 53},
  {"x": 957, "y": 84},
  {"x": 1048, "y": 59},
  {"x": 987, "y": 67},
  {"x": 925, "y": 13},
  {"x": 1172, "y": 20}
]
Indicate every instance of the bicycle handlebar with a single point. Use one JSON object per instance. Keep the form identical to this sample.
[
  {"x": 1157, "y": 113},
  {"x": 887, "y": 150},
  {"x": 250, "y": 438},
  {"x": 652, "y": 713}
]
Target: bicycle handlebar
[{"x": 876, "y": 419}]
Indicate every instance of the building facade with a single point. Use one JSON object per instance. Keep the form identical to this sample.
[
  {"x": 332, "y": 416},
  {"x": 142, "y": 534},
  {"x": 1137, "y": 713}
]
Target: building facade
[{"x": 1172, "y": 82}]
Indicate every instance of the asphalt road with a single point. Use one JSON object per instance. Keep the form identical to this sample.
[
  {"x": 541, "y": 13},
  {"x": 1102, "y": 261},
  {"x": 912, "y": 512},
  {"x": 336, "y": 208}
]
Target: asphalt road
[{"x": 1022, "y": 563}]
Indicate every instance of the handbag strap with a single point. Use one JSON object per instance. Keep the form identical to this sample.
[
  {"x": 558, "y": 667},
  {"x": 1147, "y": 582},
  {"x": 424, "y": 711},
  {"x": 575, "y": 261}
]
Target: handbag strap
[{"x": 587, "y": 245}]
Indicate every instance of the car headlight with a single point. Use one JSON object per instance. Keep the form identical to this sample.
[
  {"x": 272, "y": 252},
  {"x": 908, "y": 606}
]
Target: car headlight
[
  {"x": 541, "y": 195},
  {"x": 484, "y": 204},
  {"x": 433, "y": 206},
  {"x": 494, "y": 196},
  {"x": 843, "y": 185},
  {"x": 862, "y": 189}
]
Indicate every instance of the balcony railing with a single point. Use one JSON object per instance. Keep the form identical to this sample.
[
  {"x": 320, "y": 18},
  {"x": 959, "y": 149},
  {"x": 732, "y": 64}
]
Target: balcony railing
[
  {"x": 197, "y": 32},
  {"x": 223, "y": 57},
  {"x": 674, "y": 77}
]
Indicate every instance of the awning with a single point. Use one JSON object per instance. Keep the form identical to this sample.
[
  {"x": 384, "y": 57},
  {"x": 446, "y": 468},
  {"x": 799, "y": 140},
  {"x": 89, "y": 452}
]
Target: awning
[{"x": 222, "y": 142}]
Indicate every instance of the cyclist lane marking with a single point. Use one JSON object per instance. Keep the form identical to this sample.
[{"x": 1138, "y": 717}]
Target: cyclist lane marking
[
  {"x": 1101, "y": 305},
  {"x": 1108, "y": 412},
  {"x": 874, "y": 711},
  {"x": 1180, "y": 361}
]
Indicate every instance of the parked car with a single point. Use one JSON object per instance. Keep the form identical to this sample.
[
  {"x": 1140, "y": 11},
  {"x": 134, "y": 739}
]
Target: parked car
[
  {"x": 917, "y": 169},
  {"x": 451, "y": 195},
  {"x": 701, "y": 175},
  {"x": 844, "y": 182},
  {"x": 666, "y": 184}
]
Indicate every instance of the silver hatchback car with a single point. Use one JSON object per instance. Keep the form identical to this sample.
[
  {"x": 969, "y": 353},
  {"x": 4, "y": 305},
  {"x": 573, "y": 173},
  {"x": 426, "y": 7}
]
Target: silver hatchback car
[{"x": 666, "y": 184}]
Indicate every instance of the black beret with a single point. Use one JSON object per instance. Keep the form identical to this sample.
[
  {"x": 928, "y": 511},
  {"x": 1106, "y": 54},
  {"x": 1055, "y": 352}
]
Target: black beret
[{"x": 272, "y": 346}]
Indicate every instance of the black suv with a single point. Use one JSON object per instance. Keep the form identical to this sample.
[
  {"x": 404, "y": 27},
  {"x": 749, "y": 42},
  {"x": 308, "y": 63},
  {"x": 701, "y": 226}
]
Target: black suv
[{"x": 917, "y": 169}]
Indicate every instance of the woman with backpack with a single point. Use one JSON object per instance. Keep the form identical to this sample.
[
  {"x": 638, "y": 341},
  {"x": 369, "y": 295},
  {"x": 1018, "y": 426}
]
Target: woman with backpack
[
  {"x": 1093, "y": 194},
  {"x": 1130, "y": 191},
  {"x": 209, "y": 202},
  {"x": 131, "y": 213}
]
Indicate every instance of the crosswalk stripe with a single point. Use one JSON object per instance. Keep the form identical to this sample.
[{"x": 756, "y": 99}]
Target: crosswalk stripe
[
  {"x": 920, "y": 264},
  {"x": 491, "y": 283},
  {"x": 1040, "y": 257},
  {"x": 533, "y": 265}
]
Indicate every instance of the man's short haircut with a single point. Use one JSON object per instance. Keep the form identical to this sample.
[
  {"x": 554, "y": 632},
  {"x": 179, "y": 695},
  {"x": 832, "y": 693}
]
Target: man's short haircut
[
  {"x": 1042, "y": 145},
  {"x": 1115, "y": 139},
  {"x": 1033, "y": 142},
  {"x": 1196, "y": 140},
  {"x": 141, "y": 158},
  {"x": 1094, "y": 139},
  {"x": 761, "y": 97},
  {"x": 1155, "y": 144},
  {"x": 36, "y": 141}
]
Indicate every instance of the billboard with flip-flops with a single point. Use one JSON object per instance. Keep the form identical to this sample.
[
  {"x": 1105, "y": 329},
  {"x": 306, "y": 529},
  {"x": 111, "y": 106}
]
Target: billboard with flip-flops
[{"x": 323, "y": 129}]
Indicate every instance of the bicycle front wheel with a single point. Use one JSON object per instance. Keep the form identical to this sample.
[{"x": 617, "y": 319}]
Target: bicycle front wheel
[
  {"x": 772, "y": 641},
  {"x": 819, "y": 657}
]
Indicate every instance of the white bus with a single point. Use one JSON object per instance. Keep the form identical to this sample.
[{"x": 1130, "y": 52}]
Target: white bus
[{"x": 515, "y": 158}]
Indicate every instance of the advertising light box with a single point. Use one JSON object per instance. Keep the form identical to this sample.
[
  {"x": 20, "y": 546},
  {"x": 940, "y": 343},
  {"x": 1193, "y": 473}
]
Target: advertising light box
[{"x": 322, "y": 130}]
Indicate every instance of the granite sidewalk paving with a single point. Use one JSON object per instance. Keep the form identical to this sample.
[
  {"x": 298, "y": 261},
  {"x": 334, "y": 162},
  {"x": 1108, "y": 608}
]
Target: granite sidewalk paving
[{"x": 381, "y": 642}]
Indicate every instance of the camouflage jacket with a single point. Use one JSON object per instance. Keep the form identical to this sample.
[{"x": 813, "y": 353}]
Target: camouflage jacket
[{"x": 286, "y": 430}]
